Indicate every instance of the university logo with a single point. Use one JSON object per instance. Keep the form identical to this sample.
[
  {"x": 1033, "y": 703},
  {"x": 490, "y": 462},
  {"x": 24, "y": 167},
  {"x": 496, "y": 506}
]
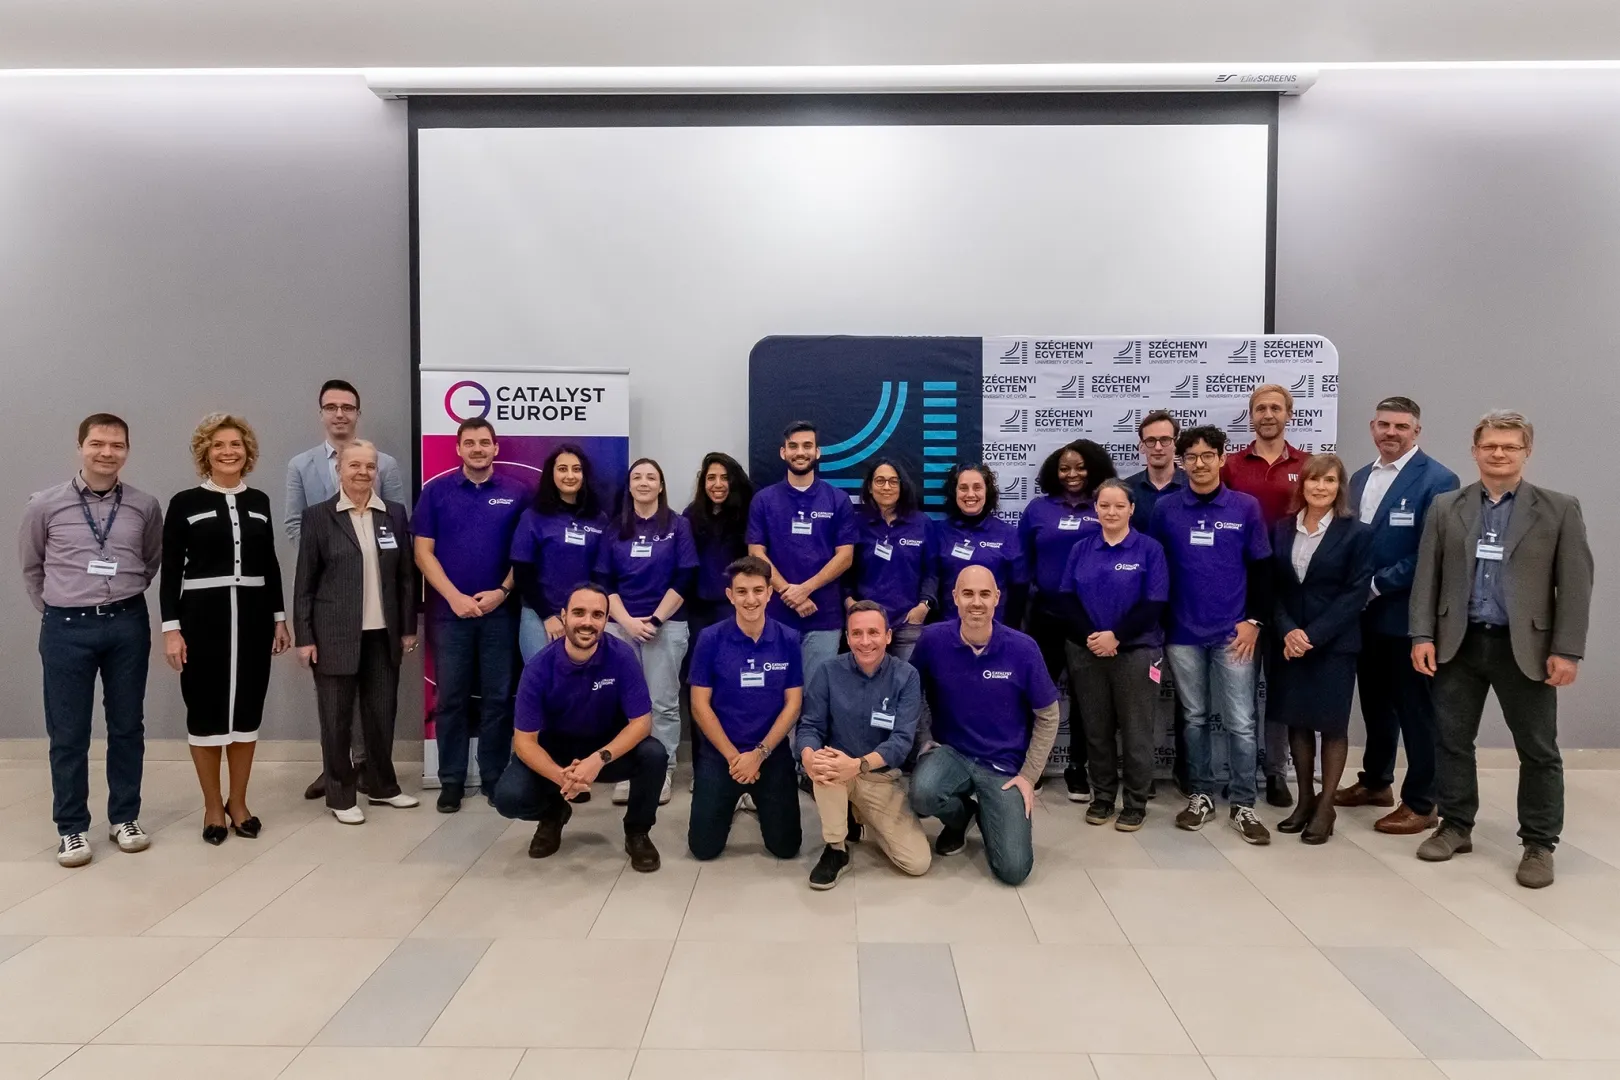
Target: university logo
[
  {"x": 467, "y": 400},
  {"x": 1074, "y": 388},
  {"x": 1129, "y": 421},
  {"x": 1304, "y": 386},
  {"x": 1240, "y": 422},
  {"x": 1245, "y": 353},
  {"x": 1186, "y": 388},
  {"x": 1017, "y": 422},
  {"x": 1130, "y": 354},
  {"x": 1328, "y": 384},
  {"x": 1018, "y": 489},
  {"x": 1018, "y": 354}
]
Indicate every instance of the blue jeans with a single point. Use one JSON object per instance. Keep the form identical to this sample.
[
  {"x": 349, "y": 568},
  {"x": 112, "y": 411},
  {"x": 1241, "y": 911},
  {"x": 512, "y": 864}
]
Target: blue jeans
[
  {"x": 816, "y": 647},
  {"x": 74, "y": 645},
  {"x": 943, "y": 784},
  {"x": 525, "y": 795},
  {"x": 465, "y": 652},
  {"x": 903, "y": 641},
  {"x": 714, "y": 804},
  {"x": 531, "y": 633},
  {"x": 1210, "y": 683}
]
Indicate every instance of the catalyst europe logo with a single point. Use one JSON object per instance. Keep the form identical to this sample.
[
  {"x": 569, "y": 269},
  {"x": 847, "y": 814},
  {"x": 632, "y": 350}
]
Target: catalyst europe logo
[{"x": 467, "y": 400}]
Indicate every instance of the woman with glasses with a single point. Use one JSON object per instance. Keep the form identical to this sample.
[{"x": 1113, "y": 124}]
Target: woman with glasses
[
  {"x": 554, "y": 548},
  {"x": 972, "y": 535},
  {"x": 894, "y": 558}
]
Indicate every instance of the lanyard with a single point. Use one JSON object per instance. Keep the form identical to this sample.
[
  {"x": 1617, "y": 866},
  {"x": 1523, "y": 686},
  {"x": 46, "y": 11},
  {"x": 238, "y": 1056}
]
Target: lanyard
[{"x": 101, "y": 535}]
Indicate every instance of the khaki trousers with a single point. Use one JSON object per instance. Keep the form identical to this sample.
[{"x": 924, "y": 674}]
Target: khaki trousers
[{"x": 880, "y": 806}]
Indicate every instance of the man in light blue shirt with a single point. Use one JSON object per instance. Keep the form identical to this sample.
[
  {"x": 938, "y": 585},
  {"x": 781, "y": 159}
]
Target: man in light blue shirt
[
  {"x": 312, "y": 479},
  {"x": 312, "y": 475}
]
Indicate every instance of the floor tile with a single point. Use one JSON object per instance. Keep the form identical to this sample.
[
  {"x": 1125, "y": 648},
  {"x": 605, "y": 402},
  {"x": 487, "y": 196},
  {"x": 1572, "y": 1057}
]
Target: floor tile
[
  {"x": 388, "y": 836},
  {"x": 1149, "y": 1067},
  {"x": 1527, "y": 1070},
  {"x": 980, "y": 1066},
  {"x": 118, "y": 896},
  {"x": 1321, "y": 1068},
  {"x": 175, "y": 1063},
  {"x": 290, "y": 987},
  {"x": 1366, "y": 911},
  {"x": 13, "y": 944},
  {"x": 1044, "y": 1015},
  {"x": 1500, "y": 917},
  {"x": 1065, "y": 908},
  {"x": 1440, "y": 1020},
  {"x": 955, "y": 902},
  {"x": 459, "y": 842},
  {"x": 648, "y": 907},
  {"x": 1320, "y": 1014},
  {"x": 910, "y": 1000},
  {"x": 68, "y": 989},
  {"x": 1286, "y": 854},
  {"x": 20, "y": 880},
  {"x": 582, "y": 994},
  {"x": 403, "y": 1063},
  {"x": 756, "y": 997},
  {"x": 538, "y": 1064},
  {"x": 221, "y": 910},
  {"x": 654, "y": 1064},
  {"x": 742, "y": 900},
  {"x": 527, "y": 902},
  {"x": 1176, "y": 849},
  {"x": 351, "y": 900},
  {"x": 30, "y": 1061},
  {"x": 1191, "y": 907},
  {"x": 1584, "y": 907},
  {"x": 401, "y": 1000},
  {"x": 1561, "y": 1004}
]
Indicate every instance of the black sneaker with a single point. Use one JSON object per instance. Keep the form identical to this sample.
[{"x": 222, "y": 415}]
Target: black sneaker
[
  {"x": 1153, "y": 789},
  {"x": 1247, "y": 823},
  {"x": 450, "y": 799},
  {"x": 639, "y": 846},
  {"x": 548, "y": 835},
  {"x": 1130, "y": 819},
  {"x": 854, "y": 829},
  {"x": 1200, "y": 808},
  {"x": 1277, "y": 793},
  {"x": 805, "y": 785},
  {"x": 952, "y": 841},
  {"x": 1099, "y": 813},
  {"x": 1079, "y": 787},
  {"x": 832, "y": 865}
]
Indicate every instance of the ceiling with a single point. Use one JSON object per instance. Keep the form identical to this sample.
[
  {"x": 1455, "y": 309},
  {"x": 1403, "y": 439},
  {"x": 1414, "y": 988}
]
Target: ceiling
[{"x": 356, "y": 33}]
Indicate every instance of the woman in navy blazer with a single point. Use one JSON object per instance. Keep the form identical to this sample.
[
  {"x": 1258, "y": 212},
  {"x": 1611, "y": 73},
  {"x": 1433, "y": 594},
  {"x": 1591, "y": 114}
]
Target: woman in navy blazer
[{"x": 1322, "y": 567}]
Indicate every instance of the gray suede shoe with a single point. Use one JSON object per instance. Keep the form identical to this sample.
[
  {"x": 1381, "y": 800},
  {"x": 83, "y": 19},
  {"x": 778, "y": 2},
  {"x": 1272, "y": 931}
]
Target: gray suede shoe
[
  {"x": 1536, "y": 868},
  {"x": 1449, "y": 840}
]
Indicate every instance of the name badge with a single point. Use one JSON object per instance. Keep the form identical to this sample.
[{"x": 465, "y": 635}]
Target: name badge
[
  {"x": 1202, "y": 538},
  {"x": 962, "y": 550},
  {"x": 640, "y": 551},
  {"x": 751, "y": 679},
  {"x": 801, "y": 527},
  {"x": 386, "y": 541},
  {"x": 883, "y": 551},
  {"x": 574, "y": 536},
  {"x": 1402, "y": 519},
  {"x": 883, "y": 720},
  {"x": 1490, "y": 552},
  {"x": 103, "y": 567},
  {"x": 1069, "y": 524}
]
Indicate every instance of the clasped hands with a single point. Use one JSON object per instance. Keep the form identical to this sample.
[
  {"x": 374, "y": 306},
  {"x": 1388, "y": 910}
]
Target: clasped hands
[
  {"x": 578, "y": 776},
  {"x": 829, "y": 766},
  {"x": 797, "y": 598}
]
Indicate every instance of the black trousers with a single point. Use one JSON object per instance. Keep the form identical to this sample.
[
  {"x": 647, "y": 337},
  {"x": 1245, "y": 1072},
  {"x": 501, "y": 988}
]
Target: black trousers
[
  {"x": 1397, "y": 704},
  {"x": 1052, "y": 636},
  {"x": 1484, "y": 663},
  {"x": 714, "y": 803},
  {"x": 524, "y": 795},
  {"x": 376, "y": 685},
  {"x": 1118, "y": 696}
]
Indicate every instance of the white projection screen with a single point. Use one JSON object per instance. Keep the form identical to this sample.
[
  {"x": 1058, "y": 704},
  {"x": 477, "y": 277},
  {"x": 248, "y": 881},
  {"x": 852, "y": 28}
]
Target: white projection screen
[{"x": 667, "y": 237}]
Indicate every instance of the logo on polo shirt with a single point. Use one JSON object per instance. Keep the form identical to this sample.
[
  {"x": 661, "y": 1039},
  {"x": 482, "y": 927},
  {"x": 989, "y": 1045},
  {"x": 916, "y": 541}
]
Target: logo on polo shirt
[
  {"x": 997, "y": 675},
  {"x": 599, "y": 683},
  {"x": 502, "y": 502},
  {"x": 1227, "y": 524},
  {"x": 1127, "y": 566},
  {"x": 816, "y": 514},
  {"x": 774, "y": 666},
  {"x": 910, "y": 543}
]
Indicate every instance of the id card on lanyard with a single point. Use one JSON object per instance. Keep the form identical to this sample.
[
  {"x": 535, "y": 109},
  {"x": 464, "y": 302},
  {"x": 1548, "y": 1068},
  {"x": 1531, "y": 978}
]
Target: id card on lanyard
[
  {"x": 102, "y": 567},
  {"x": 573, "y": 534},
  {"x": 963, "y": 549}
]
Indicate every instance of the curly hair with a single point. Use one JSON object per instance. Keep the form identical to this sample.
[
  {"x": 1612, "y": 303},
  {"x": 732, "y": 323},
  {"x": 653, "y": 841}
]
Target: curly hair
[{"x": 212, "y": 425}]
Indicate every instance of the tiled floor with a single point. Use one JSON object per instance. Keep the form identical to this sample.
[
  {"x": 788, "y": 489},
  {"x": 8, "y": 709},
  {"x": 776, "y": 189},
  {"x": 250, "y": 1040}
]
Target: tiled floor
[{"x": 427, "y": 946}]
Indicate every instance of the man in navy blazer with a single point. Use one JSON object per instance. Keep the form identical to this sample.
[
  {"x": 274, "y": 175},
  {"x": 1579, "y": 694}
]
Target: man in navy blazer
[{"x": 1392, "y": 495}]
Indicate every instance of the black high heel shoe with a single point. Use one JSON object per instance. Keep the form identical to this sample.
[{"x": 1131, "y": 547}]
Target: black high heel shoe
[
  {"x": 1296, "y": 822},
  {"x": 1313, "y": 835},
  {"x": 248, "y": 829},
  {"x": 215, "y": 834}
]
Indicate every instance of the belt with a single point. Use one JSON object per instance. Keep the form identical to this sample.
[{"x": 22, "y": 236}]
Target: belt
[
  {"x": 193, "y": 584},
  {"x": 112, "y": 607},
  {"x": 1491, "y": 629}
]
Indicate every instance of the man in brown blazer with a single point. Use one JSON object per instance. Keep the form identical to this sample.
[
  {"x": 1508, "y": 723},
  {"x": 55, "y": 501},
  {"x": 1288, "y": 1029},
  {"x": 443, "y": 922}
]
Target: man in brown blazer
[{"x": 1500, "y": 602}]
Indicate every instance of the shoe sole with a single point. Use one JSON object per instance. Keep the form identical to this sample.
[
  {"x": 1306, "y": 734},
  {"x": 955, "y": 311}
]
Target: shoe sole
[
  {"x": 950, "y": 853},
  {"x": 1080, "y": 796},
  {"x": 1461, "y": 849},
  {"x": 1532, "y": 884},
  {"x": 820, "y": 887},
  {"x": 340, "y": 821},
  {"x": 1121, "y": 826},
  {"x": 1194, "y": 827},
  {"x": 1091, "y": 820},
  {"x": 74, "y": 863},
  {"x": 385, "y": 802},
  {"x": 1257, "y": 841}
]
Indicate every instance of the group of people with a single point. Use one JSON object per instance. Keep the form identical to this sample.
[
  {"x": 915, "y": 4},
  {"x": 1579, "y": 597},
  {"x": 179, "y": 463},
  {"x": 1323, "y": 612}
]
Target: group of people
[{"x": 833, "y": 645}]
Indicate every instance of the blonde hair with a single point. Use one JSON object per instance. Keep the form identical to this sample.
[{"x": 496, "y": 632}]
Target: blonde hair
[
  {"x": 203, "y": 439},
  {"x": 1272, "y": 388},
  {"x": 1506, "y": 420}
]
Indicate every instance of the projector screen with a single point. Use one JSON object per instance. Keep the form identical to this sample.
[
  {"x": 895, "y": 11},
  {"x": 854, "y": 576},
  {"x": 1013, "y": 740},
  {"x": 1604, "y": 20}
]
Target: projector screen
[{"x": 670, "y": 249}]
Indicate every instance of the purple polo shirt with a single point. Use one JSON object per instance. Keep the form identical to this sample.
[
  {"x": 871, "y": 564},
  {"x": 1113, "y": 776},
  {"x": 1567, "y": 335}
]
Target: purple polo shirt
[
  {"x": 990, "y": 543},
  {"x": 590, "y": 702},
  {"x": 1048, "y": 530},
  {"x": 1208, "y": 543},
  {"x": 801, "y": 531},
  {"x": 894, "y": 563},
  {"x": 748, "y": 678},
  {"x": 471, "y": 526},
  {"x": 983, "y": 706},
  {"x": 716, "y": 551},
  {"x": 1111, "y": 579},
  {"x": 642, "y": 568},
  {"x": 562, "y": 548}
]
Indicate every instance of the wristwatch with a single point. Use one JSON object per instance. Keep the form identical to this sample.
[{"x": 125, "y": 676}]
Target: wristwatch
[
  {"x": 605, "y": 754},
  {"x": 1256, "y": 623},
  {"x": 655, "y": 620},
  {"x": 764, "y": 751},
  {"x": 866, "y": 766}
]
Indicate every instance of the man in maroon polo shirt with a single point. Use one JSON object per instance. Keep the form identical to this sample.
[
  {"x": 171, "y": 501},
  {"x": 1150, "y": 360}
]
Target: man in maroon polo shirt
[{"x": 1269, "y": 469}]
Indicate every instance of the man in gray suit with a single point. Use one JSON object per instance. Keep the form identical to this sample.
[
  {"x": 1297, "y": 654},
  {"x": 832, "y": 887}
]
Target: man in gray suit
[
  {"x": 312, "y": 478},
  {"x": 1500, "y": 602}
]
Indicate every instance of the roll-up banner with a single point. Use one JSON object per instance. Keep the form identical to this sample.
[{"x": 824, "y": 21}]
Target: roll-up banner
[{"x": 533, "y": 409}]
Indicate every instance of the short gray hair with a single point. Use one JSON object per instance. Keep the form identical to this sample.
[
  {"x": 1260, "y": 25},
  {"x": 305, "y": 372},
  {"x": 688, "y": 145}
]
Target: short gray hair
[
  {"x": 1506, "y": 420},
  {"x": 358, "y": 444}
]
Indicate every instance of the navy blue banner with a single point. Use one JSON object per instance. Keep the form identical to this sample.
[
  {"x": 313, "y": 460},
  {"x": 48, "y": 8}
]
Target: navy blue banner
[{"x": 913, "y": 399}]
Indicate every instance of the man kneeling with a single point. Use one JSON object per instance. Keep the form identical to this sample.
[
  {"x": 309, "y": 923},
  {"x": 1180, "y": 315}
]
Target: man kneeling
[
  {"x": 859, "y": 720},
  {"x": 746, "y": 691},
  {"x": 583, "y": 700},
  {"x": 995, "y": 715}
]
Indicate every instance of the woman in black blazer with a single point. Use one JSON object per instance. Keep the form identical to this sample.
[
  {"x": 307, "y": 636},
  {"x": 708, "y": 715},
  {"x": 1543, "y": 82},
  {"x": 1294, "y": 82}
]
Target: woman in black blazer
[
  {"x": 354, "y": 612},
  {"x": 1322, "y": 571}
]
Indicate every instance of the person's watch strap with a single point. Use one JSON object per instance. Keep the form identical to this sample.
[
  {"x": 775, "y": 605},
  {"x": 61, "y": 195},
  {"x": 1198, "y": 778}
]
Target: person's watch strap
[
  {"x": 655, "y": 620},
  {"x": 605, "y": 754}
]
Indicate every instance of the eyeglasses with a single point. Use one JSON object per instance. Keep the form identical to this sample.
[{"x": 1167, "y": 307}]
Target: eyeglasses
[
  {"x": 1208, "y": 457},
  {"x": 346, "y": 410},
  {"x": 1158, "y": 440},
  {"x": 1499, "y": 448},
  {"x": 885, "y": 481}
]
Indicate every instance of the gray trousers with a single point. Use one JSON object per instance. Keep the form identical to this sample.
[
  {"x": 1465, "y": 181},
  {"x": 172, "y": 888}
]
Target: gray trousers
[{"x": 1116, "y": 698}]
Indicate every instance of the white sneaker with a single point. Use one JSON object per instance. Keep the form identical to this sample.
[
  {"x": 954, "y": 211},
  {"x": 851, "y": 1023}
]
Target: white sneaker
[
  {"x": 129, "y": 836},
  {"x": 74, "y": 849},
  {"x": 402, "y": 801},
  {"x": 664, "y": 795},
  {"x": 746, "y": 804},
  {"x": 621, "y": 793},
  {"x": 352, "y": 816}
]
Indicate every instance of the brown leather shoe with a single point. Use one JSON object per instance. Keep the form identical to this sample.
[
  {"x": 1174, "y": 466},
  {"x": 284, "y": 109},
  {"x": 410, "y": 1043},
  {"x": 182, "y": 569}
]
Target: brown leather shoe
[
  {"x": 1405, "y": 821},
  {"x": 317, "y": 789},
  {"x": 1358, "y": 795}
]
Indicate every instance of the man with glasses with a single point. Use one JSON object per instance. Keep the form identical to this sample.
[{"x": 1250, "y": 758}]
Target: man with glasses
[
  {"x": 312, "y": 479},
  {"x": 1156, "y": 439},
  {"x": 1500, "y": 603}
]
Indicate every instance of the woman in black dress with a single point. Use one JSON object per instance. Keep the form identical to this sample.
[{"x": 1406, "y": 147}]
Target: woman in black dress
[
  {"x": 1322, "y": 569},
  {"x": 222, "y": 614}
]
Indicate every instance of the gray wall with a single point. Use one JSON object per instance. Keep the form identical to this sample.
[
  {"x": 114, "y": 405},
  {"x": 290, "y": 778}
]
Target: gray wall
[{"x": 172, "y": 246}]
